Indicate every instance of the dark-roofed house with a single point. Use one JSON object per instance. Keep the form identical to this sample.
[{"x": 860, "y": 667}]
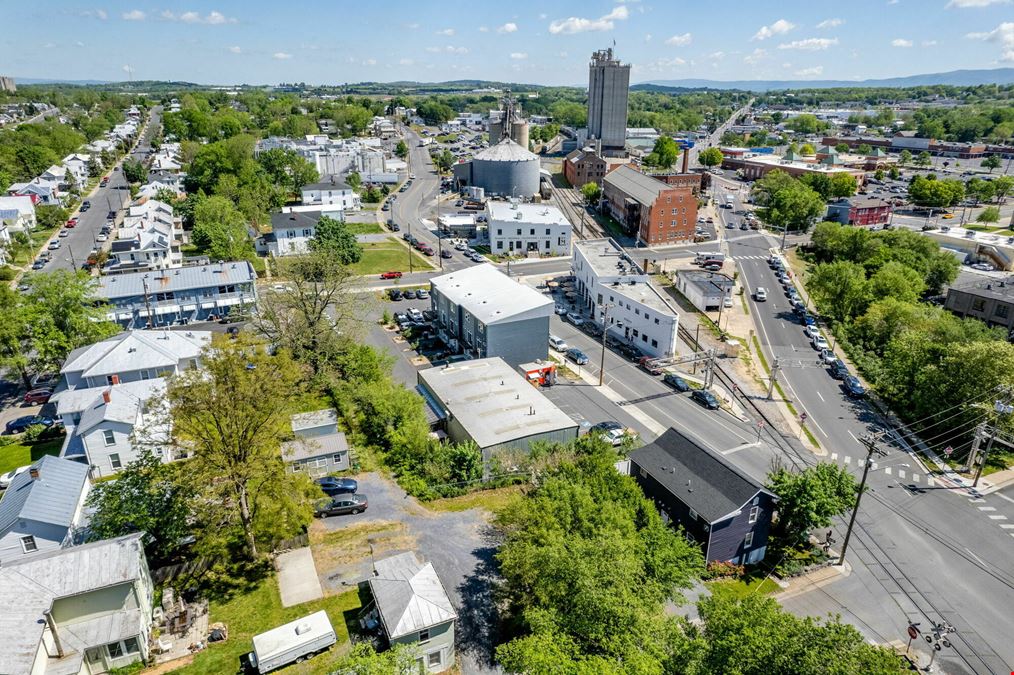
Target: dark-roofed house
[
  {"x": 725, "y": 510},
  {"x": 414, "y": 609},
  {"x": 989, "y": 300},
  {"x": 319, "y": 448},
  {"x": 42, "y": 508}
]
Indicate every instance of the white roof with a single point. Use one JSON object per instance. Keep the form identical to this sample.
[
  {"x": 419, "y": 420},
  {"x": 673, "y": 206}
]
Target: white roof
[
  {"x": 136, "y": 350},
  {"x": 78, "y": 400},
  {"x": 492, "y": 401},
  {"x": 22, "y": 205},
  {"x": 490, "y": 295},
  {"x": 269, "y": 644},
  {"x": 538, "y": 214},
  {"x": 409, "y": 595}
]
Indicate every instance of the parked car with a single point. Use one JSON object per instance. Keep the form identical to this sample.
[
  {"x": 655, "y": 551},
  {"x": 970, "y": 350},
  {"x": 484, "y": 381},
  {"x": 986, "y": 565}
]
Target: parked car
[
  {"x": 760, "y": 294},
  {"x": 64, "y": 233},
  {"x": 808, "y": 320},
  {"x": 839, "y": 370},
  {"x": 422, "y": 294},
  {"x": 705, "y": 398},
  {"x": 101, "y": 237},
  {"x": 445, "y": 253},
  {"x": 558, "y": 343},
  {"x": 605, "y": 426},
  {"x": 340, "y": 506},
  {"x": 676, "y": 382},
  {"x": 5, "y": 479},
  {"x": 37, "y": 396},
  {"x": 577, "y": 356},
  {"x": 38, "y": 264},
  {"x": 811, "y": 330},
  {"x": 648, "y": 364},
  {"x": 395, "y": 227},
  {"x": 391, "y": 275},
  {"x": 714, "y": 266},
  {"x": 819, "y": 342},
  {"x": 53, "y": 245},
  {"x": 560, "y": 310},
  {"x": 394, "y": 294},
  {"x": 853, "y": 387},
  {"x": 727, "y": 301},
  {"x": 22, "y": 423},
  {"x": 630, "y": 351},
  {"x": 575, "y": 318},
  {"x": 827, "y": 356},
  {"x": 337, "y": 486}
]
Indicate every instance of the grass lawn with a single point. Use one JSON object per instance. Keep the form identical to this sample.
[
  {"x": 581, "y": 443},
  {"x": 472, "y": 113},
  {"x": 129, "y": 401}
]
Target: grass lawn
[
  {"x": 388, "y": 256},
  {"x": 741, "y": 588},
  {"x": 17, "y": 454},
  {"x": 260, "y": 609},
  {"x": 491, "y": 500},
  {"x": 364, "y": 228}
]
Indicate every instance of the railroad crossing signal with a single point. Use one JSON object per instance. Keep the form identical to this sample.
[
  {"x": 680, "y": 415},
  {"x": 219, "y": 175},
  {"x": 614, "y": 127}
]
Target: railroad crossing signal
[{"x": 948, "y": 451}]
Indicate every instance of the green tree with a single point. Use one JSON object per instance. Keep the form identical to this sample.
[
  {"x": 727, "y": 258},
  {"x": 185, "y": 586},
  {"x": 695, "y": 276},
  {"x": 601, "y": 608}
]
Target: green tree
[
  {"x": 591, "y": 192},
  {"x": 785, "y": 203},
  {"x": 220, "y": 230},
  {"x": 807, "y": 149},
  {"x": 923, "y": 159},
  {"x": 897, "y": 280},
  {"x": 806, "y": 124},
  {"x": 893, "y": 172},
  {"x": 839, "y": 288},
  {"x": 334, "y": 237},
  {"x": 1002, "y": 186},
  {"x": 664, "y": 154},
  {"x": 16, "y": 335},
  {"x": 989, "y": 215},
  {"x": 842, "y": 148},
  {"x": 233, "y": 414},
  {"x": 991, "y": 162},
  {"x": 401, "y": 149},
  {"x": 710, "y": 157},
  {"x": 434, "y": 112},
  {"x": 879, "y": 174},
  {"x": 362, "y": 659},
  {"x": 904, "y": 157},
  {"x": 810, "y": 498},
  {"x": 354, "y": 180},
  {"x": 931, "y": 192},
  {"x": 134, "y": 171},
  {"x": 865, "y": 149},
  {"x": 148, "y": 496},
  {"x": 444, "y": 161},
  {"x": 842, "y": 184}
]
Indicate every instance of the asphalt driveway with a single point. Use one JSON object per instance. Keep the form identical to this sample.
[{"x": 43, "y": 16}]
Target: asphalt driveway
[{"x": 460, "y": 545}]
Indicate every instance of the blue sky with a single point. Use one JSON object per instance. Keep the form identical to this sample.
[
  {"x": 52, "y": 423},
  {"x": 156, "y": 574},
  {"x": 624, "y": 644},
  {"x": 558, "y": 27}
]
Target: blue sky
[{"x": 336, "y": 41}]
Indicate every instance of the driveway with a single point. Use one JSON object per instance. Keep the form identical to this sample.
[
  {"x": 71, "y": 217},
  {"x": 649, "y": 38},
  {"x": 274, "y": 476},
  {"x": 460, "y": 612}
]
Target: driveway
[{"x": 460, "y": 545}]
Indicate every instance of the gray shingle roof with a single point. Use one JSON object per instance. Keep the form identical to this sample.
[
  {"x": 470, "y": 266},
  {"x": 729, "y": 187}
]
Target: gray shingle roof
[
  {"x": 52, "y": 498},
  {"x": 294, "y": 220},
  {"x": 698, "y": 476},
  {"x": 635, "y": 184},
  {"x": 179, "y": 279}
]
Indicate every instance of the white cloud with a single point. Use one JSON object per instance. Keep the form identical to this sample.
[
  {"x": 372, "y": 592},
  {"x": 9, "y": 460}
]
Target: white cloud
[
  {"x": 779, "y": 27},
  {"x": 406, "y": 62},
  {"x": 810, "y": 44},
  {"x": 519, "y": 56},
  {"x": 447, "y": 31},
  {"x": 680, "y": 40},
  {"x": 134, "y": 15},
  {"x": 575, "y": 24},
  {"x": 563, "y": 55},
  {"x": 543, "y": 16},
  {"x": 965, "y": 4},
  {"x": 412, "y": 26},
  {"x": 448, "y": 49},
  {"x": 830, "y": 23},
  {"x": 755, "y": 56},
  {"x": 483, "y": 29},
  {"x": 892, "y": 2},
  {"x": 810, "y": 72},
  {"x": 647, "y": 37},
  {"x": 281, "y": 56},
  {"x": 79, "y": 44},
  {"x": 661, "y": 65},
  {"x": 901, "y": 42},
  {"x": 236, "y": 50},
  {"x": 509, "y": 27},
  {"x": 928, "y": 43},
  {"x": 1004, "y": 34},
  {"x": 94, "y": 14},
  {"x": 716, "y": 56},
  {"x": 215, "y": 18},
  {"x": 212, "y": 19},
  {"x": 190, "y": 17},
  {"x": 370, "y": 62}
]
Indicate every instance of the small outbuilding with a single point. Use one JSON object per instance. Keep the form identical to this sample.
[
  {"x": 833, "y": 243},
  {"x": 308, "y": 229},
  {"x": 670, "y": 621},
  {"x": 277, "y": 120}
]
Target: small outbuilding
[{"x": 319, "y": 448}]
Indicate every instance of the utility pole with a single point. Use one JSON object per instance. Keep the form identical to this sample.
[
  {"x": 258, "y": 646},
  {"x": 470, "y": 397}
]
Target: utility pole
[
  {"x": 871, "y": 447},
  {"x": 697, "y": 344},
  {"x": 409, "y": 248},
  {"x": 773, "y": 377},
  {"x": 605, "y": 332},
  {"x": 973, "y": 453},
  {"x": 985, "y": 458},
  {"x": 147, "y": 303}
]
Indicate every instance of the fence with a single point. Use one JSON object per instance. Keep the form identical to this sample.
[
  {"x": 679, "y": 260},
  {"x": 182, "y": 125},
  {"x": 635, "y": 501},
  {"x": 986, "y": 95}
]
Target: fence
[{"x": 170, "y": 572}]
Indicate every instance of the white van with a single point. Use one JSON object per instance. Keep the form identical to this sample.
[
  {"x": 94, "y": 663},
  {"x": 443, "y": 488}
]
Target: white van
[{"x": 703, "y": 258}]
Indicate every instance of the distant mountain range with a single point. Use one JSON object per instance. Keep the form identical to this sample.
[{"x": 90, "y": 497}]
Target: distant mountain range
[
  {"x": 40, "y": 80},
  {"x": 958, "y": 78}
]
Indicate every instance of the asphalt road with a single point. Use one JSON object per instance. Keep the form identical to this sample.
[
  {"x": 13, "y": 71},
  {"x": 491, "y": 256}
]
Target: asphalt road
[
  {"x": 925, "y": 551},
  {"x": 78, "y": 245}
]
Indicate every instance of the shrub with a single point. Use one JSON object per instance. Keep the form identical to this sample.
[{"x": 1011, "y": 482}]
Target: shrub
[
  {"x": 33, "y": 433},
  {"x": 719, "y": 569},
  {"x": 7, "y": 273}
]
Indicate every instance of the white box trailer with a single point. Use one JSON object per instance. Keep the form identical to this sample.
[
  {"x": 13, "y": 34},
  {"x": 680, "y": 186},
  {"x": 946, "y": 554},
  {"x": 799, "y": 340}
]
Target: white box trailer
[{"x": 292, "y": 642}]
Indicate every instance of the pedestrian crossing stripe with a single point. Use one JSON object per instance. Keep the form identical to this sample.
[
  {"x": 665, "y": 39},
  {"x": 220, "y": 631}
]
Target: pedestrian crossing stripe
[
  {"x": 979, "y": 500},
  {"x": 749, "y": 257},
  {"x": 998, "y": 517},
  {"x": 987, "y": 508},
  {"x": 834, "y": 456},
  {"x": 1007, "y": 526},
  {"x": 887, "y": 471},
  {"x": 901, "y": 473}
]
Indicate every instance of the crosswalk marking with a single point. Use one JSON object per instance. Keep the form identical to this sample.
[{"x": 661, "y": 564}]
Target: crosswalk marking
[
  {"x": 998, "y": 517},
  {"x": 749, "y": 257},
  {"x": 901, "y": 473},
  {"x": 1007, "y": 526},
  {"x": 980, "y": 500},
  {"x": 834, "y": 456},
  {"x": 987, "y": 508},
  {"x": 887, "y": 471},
  {"x": 873, "y": 465},
  {"x": 848, "y": 460}
]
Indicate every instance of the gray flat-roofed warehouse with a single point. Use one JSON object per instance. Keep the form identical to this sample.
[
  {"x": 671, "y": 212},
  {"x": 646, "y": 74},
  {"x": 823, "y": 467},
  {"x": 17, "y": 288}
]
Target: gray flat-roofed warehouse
[
  {"x": 705, "y": 290},
  {"x": 489, "y": 402},
  {"x": 490, "y": 314}
]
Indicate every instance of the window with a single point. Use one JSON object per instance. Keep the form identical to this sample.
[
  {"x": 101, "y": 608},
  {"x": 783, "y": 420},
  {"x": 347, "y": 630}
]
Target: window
[
  {"x": 748, "y": 540},
  {"x": 28, "y": 544},
  {"x": 754, "y": 512},
  {"x": 644, "y": 338},
  {"x": 531, "y": 232},
  {"x": 115, "y": 650},
  {"x": 499, "y": 245},
  {"x": 131, "y": 646},
  {"x": 1001, "y": 311},
  {"x": 114, "y": 461},
  {"x": 109, "y": 436},
  {"x": 499, "y": 231},
  {"x": 656, "y": 320},
  {"x": 337, "y": 459},
  {"x": 519, "y": 231},
  {"x": 424, "y": 635},
  {"x": 307, "y": 232},
  {"x": 978, "y": 305},
  {"x": 434, "y": 659},
  {"x": 145, "y": 374},
  {"x": 547, "y": 231},
  {"x": 654, "y": 343},
  {"x": 693, "y": 515},
  {"x": 109, "y": 379}
]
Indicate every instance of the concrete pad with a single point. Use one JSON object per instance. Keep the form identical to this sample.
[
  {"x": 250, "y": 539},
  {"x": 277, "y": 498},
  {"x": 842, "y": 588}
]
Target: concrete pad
[{"x": 297, "y": 577}]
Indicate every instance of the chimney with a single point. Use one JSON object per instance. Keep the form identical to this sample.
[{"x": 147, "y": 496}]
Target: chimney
[
  {"x": 107, "y": 396},
  {"x": 33, "y": 472},
  {"x": 686, "y": 160}
]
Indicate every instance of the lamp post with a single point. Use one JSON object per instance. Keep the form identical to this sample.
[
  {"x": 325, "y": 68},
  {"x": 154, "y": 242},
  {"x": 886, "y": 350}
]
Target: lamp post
[{"x": 605, "y": 331}]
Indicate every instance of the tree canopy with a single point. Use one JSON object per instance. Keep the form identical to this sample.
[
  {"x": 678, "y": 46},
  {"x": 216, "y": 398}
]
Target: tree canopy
[
  {"x": 710, "y": 157},
  {"x": 334, "y": 238},
  {"x": 785, "y": 203}
]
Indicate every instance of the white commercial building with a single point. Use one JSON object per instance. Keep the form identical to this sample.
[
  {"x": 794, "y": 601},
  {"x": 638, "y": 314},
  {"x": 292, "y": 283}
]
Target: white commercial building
[
  {"x": 521, "y": 229},
  {"x": 610, "y": 284}
]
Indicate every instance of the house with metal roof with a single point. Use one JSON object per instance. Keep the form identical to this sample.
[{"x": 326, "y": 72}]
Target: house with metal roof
[
  {"x": 486, "y": 313},
  {"x": 318, "y": 448},
  {"x": 659, "y": 214},
  {"x": 332, "y": 191},
  {"x": 42, "y": 508},
  {"x": 133, "y": 355},
  {"x": 84, "y": 609},
  {"x": 695, "y": 487},
  {"x": 490, "y": 403},
  {"x": 179, "y": 296},
  {"x": 414, "y": 609}
]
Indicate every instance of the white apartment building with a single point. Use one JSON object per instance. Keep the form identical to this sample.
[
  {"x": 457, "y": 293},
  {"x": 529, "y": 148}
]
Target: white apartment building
[
  {"x": 520, "y": 229},
  {"x": 293, "y": 228},
  {"x": 610, "y": 284},
  {"x": 149, "y": 238},
  {"x": 331, "y": 191}
]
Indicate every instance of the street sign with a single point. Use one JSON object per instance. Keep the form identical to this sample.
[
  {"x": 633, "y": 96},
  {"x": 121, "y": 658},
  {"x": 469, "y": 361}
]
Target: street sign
[
  {"x": 913, "y": 632},
  {"x": 948, "y": 450},
  {"x": 802, "y": 417}
]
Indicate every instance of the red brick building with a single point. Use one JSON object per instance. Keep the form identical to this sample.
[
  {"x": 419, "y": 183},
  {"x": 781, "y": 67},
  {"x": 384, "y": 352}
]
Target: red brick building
[
  {"x": 859, "y": 210},
  {"x": 658, "y": 214},
  {"x": 586, "y": 166}
]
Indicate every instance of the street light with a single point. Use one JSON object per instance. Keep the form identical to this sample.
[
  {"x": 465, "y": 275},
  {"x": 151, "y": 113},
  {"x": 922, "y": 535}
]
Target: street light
[{"x": 605, "y": 331}]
